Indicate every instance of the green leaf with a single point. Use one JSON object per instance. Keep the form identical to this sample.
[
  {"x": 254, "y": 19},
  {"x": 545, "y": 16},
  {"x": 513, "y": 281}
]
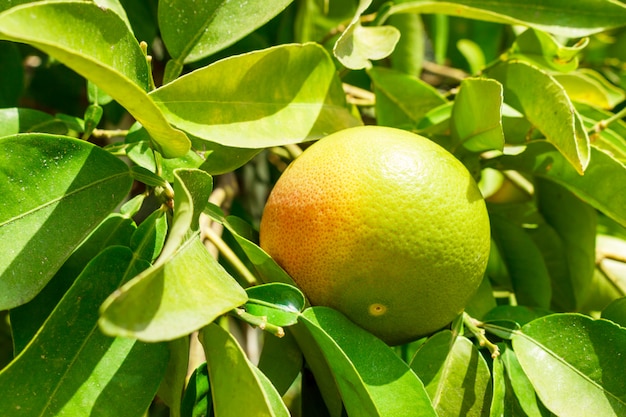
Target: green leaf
[
  {"x": 542, "y": 159},
  {"x": 562, "y": 209},
  {"x": 359, "y": 44},
  {"x": 546, "y": 105},
  {"x": 610, "y": 139},
  {"x": 529, "y": 275},
  {"x": 147, "y": 241},
  {"x": 589, "y": 87},
  {"x": 372, "y": 379},
  {"x": 521, "y": 385},
  {"x": 28, "y": 318},
  {"x": 11, "y": 74},
  {"x": 55, "y": 191},
  {"x": 499, "y": 387},
  {"x": 193, "y": 30},
  {"x": 616, "y": 311},
  {"x": 172, "y": 298},
  {"x": 455, "y": 375},
  {"x": 112, "y": 58},
  {"x": 402, "y": 100},
  {"x": 16, "y": 120},
  {"x": 561, "y": 17},
  {"x": 281, "y": 361},
  {"x": 476, "y": 115},
  {"x": 239, "y": 101},
  {"x": 197, "y": 401},
  {"x": 280, "y": 303},
  {"x": 408, "y": 55},
  {"x": 571, "y": 353},
  {"x": 543, "y": 50},
  {"x": 175, "y": 378},
  {"x": 70, "y": 368},
  {"x": 238, "y": 388}
]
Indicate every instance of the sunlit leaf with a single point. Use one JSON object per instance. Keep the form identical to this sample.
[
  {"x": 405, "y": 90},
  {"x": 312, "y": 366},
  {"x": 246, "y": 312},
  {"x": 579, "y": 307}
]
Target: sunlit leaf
[
  {"x": 589, "y": 87},
  {"x": 112, "y": 58},
  {"x": 570, "y": 352},
  {"x": 79, "y": 370},
  {"x": 239, "y": 102},
  {"x": 544, "y": 50},
  {"x": 55, "y": 191}
]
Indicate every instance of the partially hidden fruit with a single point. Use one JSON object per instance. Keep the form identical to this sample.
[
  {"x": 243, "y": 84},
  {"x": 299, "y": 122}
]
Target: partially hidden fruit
[{"x": 383, "y": 225}]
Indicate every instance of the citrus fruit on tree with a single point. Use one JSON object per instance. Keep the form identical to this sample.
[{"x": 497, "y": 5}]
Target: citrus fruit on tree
[{"x": 383, "y": 225}]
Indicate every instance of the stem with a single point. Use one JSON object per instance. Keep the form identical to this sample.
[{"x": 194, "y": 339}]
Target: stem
[
  {"x": 108, "y": 134},
  {"x": 472, "y": 324},
  {"x": 256, "y": 321},
  {"x": 603, "y": 124},
  {"x": 230, "y": 256}
]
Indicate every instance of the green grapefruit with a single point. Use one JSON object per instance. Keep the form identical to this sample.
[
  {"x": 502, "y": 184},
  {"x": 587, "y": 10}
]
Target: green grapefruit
[{"x": 383, "y": 225}]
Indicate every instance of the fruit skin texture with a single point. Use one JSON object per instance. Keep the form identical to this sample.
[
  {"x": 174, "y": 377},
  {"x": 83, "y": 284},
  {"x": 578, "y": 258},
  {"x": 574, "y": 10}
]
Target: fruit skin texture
[{"x": 383, "y": 225}]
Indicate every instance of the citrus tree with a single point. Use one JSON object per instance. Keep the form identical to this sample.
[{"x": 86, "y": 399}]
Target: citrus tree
[{"x": 139, "y": 141}]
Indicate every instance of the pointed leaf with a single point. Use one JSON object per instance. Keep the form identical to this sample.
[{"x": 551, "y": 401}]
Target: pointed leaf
[
  {"x": 55, "y": 191},
  {"x": 111, "y": 58},
  {"x": 238, "y": 101},
  {"x": 70, "y": 368},
  {"x": 543, "y": 50},
  {"x": 173, "y": 298},
  {"x": 402, "y": 99},
  {"x": 546, "y": 105},
  {"x": 237, "y": 387},
  {"x": 212, "y": 26},
  {"x": 589, "y": 87},
  {"x": 476, "y": 115},
  {"x": 28, "y": 318},
  {"x": 372, "y": 379},
  {"x": 542, "y": 159},
  {"x": 571, "y": 352},
  {"x": 455, "y": 375},
  {"x": 562, "y": 17},
  {"x": 20, "y": 120}
]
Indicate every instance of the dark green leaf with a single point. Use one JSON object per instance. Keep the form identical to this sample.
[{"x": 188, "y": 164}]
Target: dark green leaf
[
  {"x": 281, "y": 360},
  {"x": 455, "y": 375},
  {"x": 55, "y": 191},
  {"x": 572, "y": 353},
  {"x": 280, "y": 303},
  {"x": 520, "y": 384},
  {"x": 16, "y": 120},
  {"x": 372, "y": 379},
  {"x": 193, "y": 29},
  {"x": 11, "y": 74},
  {"x": 147, "y": 241},
  {"x": 616, "y": 312},
  {"x": 197, "y": 401},
  {"x": 111, "y": 58},
  {"x": 526, "y": 267},
  {"x": 238, "y": 388},
  {"x": 70, "y": 368},
  {"x": 542, "y": 159},
  {"x": 238, "y": 101}
]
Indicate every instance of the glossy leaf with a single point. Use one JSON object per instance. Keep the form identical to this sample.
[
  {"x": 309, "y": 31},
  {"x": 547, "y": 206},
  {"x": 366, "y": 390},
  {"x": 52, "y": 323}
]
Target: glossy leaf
[
  {"x": 79, "y": 370},
  {"x": 28, "y": 318},
  {"x": 555, "y": 16},
  {"x": 197, "y": 401},
  {"x": 562, "y": 209},
  {"x": 55, "y": 191},
  {"x": 238, "y": 101},
  {"x": 16, "y": 120},
  {"x": 521, "y": 385},
  {"x": 147, "y": 241},
  {"x": 525, "y": 264},
  {"x": 372, "y": 379},
  {"x": 193, "y": 30},
  {"x": 359, "y": 44},
  {"x": 237, "y": 387},
  {"x": 543, "y": 50},
  {"x": 112, "y": 58},
  {"x": 455, "y": 375},
  {"x": 589, "y": 87},
  {"x": 476, "y": 115},
  {"x": 575, "y": 358},
  {"x": 546, "y": 105},
  {"x": 402, "y": 100},
  {"x": 280, "y": 303},
  {"x": 542, "y": 159},
  {"x": 172, "y": 298}
]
